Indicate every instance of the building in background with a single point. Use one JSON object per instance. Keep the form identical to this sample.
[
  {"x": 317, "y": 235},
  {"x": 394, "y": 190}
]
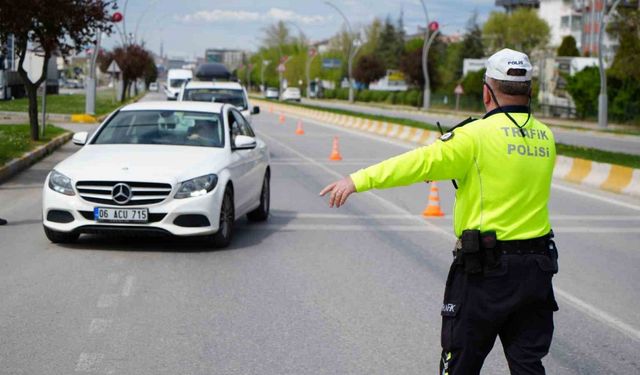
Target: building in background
[
  {"x": 231, "y": 58},
  {"x": 511, "y": 5},
  {"x": 564, "y": 18}
]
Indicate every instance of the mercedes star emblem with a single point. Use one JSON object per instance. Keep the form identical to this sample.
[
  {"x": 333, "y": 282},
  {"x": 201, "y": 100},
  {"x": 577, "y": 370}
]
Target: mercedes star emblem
[{"x": 121, "y": 193}]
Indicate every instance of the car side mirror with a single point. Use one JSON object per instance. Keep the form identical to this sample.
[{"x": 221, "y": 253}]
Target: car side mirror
[
  {"x": 80, "y": 138},
  {"x": 255, "y": 110},
  {"x": 243, "y": 142}
]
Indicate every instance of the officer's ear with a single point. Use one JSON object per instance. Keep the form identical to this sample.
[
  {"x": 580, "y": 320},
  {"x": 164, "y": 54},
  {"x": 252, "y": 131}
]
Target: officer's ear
[{"x": 486, "y": 95}]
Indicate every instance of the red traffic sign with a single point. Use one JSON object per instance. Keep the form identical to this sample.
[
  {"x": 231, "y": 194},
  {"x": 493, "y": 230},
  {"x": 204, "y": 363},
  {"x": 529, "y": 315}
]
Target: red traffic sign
[
  {"x": 281, "y": 68},
  {"x": 459, "y": 90},
  {"x": 434, "y": 26},
  {"x": 312, "y": 52},
  {"x": 116, "y": 17}
]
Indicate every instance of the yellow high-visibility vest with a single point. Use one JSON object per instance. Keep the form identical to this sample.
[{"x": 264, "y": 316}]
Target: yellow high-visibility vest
[{"x": 504, "y": 178}]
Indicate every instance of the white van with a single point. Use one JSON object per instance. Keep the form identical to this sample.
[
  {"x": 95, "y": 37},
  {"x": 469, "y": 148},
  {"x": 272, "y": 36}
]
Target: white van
[{"x": 175, "y": 79}]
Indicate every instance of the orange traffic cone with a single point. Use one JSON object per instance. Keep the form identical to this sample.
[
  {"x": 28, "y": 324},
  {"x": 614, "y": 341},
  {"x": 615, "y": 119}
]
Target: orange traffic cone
[
  {"x": 335, "y": 152},
  {"x": 433, "y": 207},
  {"x": 299, "y": 130},
  {"x": 281, "y": 118}
]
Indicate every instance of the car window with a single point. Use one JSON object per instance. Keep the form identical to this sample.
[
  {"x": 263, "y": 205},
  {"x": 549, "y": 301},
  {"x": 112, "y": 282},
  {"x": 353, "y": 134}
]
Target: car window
[
  {"x": 245, "y": 128},
  {"x": 230, "y": 96},
  {"x": 163, "y": 127},
  {"x": 176, "y": 83}
]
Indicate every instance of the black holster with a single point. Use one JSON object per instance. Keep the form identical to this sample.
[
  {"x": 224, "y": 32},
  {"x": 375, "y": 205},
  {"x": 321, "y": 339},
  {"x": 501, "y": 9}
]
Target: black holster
[{"x": 476, "y": 250}]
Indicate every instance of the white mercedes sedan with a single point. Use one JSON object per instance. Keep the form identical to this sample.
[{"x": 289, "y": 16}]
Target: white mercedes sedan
[{"x": 176, "y": 168}]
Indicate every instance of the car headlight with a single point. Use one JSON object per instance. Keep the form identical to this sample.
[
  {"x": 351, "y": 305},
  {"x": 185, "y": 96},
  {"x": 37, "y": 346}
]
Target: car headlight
[
  {"x": 197, "y": 186},
  {"x": 60, "y": 183}
]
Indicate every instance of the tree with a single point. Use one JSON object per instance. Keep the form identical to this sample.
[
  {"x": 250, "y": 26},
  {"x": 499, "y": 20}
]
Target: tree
[
  {"x": 389, "y": 50},
  {"x": 568, "y": 47},
  {"x": 133, "y": 61},
  {"x": 522, "y": 30},
  {"x": 584, "y": 88},
  {"x": 411, "y": 62},
  {"x": 48, "y": 27},
  {"x": 472, "y": 47},
  {"x": 625, "y": 27},
  {"x": 368, "y": 69},
  {"x": 277, "y": 35},
  {"x": 150, "y": 72}
]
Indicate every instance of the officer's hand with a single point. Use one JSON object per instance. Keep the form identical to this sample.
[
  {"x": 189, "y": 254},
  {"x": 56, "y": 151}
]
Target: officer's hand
[{"x": 340, "y": 191}]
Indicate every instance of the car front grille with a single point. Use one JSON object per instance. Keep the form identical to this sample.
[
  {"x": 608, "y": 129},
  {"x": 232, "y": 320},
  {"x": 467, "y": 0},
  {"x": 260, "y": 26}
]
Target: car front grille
[{"x": 141, "y": 193}]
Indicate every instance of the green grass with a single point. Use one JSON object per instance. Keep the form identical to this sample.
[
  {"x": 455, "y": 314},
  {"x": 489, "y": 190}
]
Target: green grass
[
  {"x": 15, "y": 140},
  {"x": 593, "y": 154},
  {"x": 66, "y": 103},
  {"x": 600, "y": 156}
]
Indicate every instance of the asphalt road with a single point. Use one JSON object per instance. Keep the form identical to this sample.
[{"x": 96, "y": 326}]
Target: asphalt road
[
  {"x": 628, "y": 144},
  {"x": 312, "y": 291}
]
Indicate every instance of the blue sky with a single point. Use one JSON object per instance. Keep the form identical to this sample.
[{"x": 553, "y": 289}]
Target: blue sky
[{"x": 188, "y": 27}]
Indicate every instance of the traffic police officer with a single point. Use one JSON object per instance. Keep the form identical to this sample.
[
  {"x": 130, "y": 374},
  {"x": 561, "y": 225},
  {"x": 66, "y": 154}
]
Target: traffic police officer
[{"x": 500, "y": 281}]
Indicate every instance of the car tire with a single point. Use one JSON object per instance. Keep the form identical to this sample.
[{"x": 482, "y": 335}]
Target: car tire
[
  {"x": 61, "y": 237},
  {"x": 262, "y": 212},
  {"x": 222, "y": 238}
]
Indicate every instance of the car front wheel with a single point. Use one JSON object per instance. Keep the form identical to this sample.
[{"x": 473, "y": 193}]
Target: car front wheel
[
  {"x": 262, "y": 212},
  {"x": 222, "y": 238},
  {"x": 60, "y": 237}
]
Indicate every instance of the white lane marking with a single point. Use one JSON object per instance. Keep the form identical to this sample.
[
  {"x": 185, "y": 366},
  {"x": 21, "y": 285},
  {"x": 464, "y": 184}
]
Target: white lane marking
[
  {"x": 595, "y": 230},
  {"x": 311, "y": 215},
  {"x": 113, "y": 278},
  {"x": 99, "y": 325},
  {"x": 597, "y": 197},
  {"x": 344, "y": 228},
  {"x": 307, "y": 163},
  {"x": 414, "y": 228},
  {"x": 107, "y": 300},
  {"x": 128, "y": 285},
  {"x": 88, "y": 362},
  {"x": 599, "y": 315},
  {"x": 604, "y": 318}
]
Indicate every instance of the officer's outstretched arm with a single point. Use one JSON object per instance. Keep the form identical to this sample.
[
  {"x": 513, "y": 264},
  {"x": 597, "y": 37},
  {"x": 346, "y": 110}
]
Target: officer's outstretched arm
[{"x": 442, "y": 160}]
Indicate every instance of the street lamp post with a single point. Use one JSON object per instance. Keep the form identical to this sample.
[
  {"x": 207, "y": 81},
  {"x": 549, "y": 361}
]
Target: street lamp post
[
  {"x": 352, "y": 51},
  {"x": 312, "y": 54},
  {"x": 264, "y": 65},
  {"x": 428, "y": 40},
  {"x": 602, "y": 98}
]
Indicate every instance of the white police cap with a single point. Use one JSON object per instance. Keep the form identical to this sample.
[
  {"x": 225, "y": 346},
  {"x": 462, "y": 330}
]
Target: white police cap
[{"x": 499, "y": 64}]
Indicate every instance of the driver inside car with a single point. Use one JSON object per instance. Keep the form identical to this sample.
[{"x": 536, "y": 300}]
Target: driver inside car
[{"x": 205, "y": 132}]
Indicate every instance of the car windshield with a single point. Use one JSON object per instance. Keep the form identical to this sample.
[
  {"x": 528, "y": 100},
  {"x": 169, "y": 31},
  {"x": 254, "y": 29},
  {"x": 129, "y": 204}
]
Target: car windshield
[
  {"x": 157, "y": 127},
  {"x": 230, "y": 96},
  {"x": 176, "y": 83}
]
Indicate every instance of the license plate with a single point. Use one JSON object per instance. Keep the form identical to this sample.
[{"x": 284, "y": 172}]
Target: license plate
[{"x": 121, "y": 215}]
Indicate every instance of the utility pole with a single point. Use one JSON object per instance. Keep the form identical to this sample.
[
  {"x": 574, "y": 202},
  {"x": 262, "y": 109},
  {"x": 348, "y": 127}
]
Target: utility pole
[
  {"x": 312, "y": 54},
  {"x": 264, "y": 65},
  {"x": 428, "y": 40},
  {"x": 602, "y": 98},
  {"x": 352, "y": 51}
]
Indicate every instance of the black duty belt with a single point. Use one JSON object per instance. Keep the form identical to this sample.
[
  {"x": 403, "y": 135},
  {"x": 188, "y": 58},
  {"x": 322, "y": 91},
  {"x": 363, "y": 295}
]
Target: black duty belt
[
  {"x": 476, "y": 249},
  {"x": 538, "y": 245}
]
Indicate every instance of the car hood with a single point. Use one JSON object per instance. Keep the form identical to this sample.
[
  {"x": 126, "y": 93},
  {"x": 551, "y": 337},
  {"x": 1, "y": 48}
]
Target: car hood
[{"x": 145, "y": 163}]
